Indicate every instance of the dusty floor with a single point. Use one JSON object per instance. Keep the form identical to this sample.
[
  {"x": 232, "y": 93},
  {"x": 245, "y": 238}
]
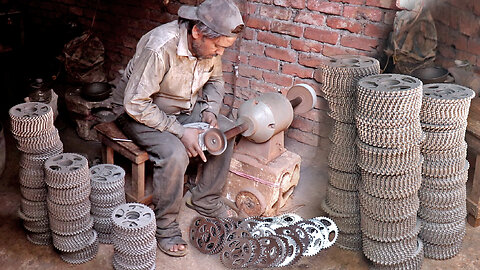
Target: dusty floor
[{"x": 17, "y": 253}]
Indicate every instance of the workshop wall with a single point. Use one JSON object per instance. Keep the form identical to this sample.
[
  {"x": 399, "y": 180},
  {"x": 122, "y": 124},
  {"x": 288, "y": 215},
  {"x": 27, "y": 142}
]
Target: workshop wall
[
  {"x": 458, "y": 27},
  {"x": 281, "y": 46}
]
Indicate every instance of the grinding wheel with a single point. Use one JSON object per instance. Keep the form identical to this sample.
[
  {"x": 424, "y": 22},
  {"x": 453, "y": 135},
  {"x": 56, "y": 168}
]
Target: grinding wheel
[
  {"x": 307, "y": 96},
  {"x": 215, "y": 141}
]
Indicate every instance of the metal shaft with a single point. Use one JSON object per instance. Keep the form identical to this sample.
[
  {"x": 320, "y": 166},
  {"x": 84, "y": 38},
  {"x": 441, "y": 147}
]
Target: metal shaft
[
  {"x": 296, "y": 101},
  {"x": 236, "y": 130}
]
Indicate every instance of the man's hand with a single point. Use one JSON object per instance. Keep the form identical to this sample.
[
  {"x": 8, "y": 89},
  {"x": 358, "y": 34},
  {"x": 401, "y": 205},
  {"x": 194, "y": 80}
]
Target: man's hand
[
  {"x": 190, "y": 141},
  {"x": 209, "y": 117}
]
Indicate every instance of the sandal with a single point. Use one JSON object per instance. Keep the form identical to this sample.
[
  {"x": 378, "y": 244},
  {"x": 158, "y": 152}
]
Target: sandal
[{"x": 165, "y": 244}]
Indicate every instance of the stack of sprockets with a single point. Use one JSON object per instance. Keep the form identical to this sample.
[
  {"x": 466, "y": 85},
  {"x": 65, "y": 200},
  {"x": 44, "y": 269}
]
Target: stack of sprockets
[
  {"x": 261, "y": 242},
  {"x": 133, "y": 237},
  {"x": 68, "y": 181},
  {"x": 442, "y": 196},
  {"x": 340, "y": 75},
  {"x": 107, "y": 181},
  {"x": 389, "y": 134},
  {"x": 37, "y": 139}
]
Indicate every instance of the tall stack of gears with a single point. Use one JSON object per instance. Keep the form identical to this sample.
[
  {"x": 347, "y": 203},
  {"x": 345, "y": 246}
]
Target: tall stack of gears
[
  {"x": 68, "y": 203},
  {"x": 133, "y": 237},
  {"x": 262, "y": 242},
  {"x": 37, "y": 139},
  {"x": 389, "y": 136},
  {"x": 340, "y": 76},
  {"x": 107, "y": 181},
  {"x": 442, "y": 196}
]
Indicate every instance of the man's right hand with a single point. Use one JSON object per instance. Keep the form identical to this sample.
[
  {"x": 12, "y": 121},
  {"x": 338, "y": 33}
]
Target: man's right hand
[{"x": 190, "y": 141}]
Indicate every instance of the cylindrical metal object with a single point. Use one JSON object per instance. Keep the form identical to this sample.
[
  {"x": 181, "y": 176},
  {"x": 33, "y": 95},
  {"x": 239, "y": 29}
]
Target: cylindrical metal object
[{"x": 267, "y": 115}]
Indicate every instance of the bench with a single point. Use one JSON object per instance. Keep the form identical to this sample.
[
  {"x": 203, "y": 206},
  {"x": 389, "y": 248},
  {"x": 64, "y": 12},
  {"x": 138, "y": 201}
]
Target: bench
[
  {"x": 108, "y": 134},
  {"x": 472, "y": 137}
]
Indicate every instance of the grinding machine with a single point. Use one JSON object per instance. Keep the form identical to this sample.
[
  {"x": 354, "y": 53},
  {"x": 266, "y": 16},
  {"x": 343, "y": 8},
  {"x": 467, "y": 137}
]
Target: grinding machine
[{"x": 263, "y": 174}]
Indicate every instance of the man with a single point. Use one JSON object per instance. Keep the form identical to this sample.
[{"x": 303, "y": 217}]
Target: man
[{"x": 172, "y": 65}]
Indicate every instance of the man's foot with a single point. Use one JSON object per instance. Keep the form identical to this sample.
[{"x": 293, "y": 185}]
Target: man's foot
[
  {"x": 173, "y": 246},
  {"x": 223, "y": 212}
]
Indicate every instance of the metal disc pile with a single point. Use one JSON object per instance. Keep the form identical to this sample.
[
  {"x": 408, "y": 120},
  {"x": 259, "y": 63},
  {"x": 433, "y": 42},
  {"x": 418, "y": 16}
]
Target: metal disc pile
[
  {"x": 68, "y": 181},
  {"x": 261, "y": 242},
  {"x": 133, "y": 237},
  {"x": 107, "y": 181},
  {"x": 389, "y": 133},
  {"x": 340, "y": 75},
  {"x": 37, "y": 139},
  {"x": 442, "y": 196}
]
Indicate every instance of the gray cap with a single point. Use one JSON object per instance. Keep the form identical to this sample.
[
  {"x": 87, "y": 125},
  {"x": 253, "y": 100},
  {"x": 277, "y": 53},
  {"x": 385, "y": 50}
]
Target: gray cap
[{"x": 222, "y": 16}]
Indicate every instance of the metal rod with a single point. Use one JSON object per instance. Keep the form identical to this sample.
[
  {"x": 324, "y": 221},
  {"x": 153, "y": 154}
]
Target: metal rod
[
  {"x": 296, "y": 101},
  {"x": 236, "y": 130}
]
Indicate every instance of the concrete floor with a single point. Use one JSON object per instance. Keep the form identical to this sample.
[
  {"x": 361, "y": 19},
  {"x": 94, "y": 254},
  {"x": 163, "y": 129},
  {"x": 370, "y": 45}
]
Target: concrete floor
[{"x": 17, "y": 253}]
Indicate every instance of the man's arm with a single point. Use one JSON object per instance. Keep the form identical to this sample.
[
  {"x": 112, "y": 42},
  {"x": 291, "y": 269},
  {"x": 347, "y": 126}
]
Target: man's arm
[
  {"x": 143, "y": 83},
  {"x": 213, "y": 92}
]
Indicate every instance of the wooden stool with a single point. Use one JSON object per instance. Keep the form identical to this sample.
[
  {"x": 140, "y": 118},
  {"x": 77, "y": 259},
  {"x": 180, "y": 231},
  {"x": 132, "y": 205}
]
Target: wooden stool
[
  {"x": 108, "y": 134},
  {"x": 472, "y": 137}
]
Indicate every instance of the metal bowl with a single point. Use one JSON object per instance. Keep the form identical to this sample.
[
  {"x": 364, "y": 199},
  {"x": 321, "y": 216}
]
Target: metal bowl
[
  {"x": 431, "y": 74},
  {"x": 96, "y": 91}
]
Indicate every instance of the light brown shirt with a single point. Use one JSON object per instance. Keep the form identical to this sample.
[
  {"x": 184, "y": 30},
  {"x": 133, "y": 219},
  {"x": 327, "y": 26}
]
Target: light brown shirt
[{"x": 164, "y": 79}]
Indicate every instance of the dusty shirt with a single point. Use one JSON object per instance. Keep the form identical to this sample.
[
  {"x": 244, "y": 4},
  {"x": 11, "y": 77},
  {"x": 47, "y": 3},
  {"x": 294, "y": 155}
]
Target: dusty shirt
[{"x": 163, "y": 79}]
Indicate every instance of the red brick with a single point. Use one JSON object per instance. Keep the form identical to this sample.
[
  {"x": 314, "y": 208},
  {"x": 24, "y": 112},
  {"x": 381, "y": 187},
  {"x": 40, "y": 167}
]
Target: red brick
[
  {"x": 227, "y": 66},
  {"x": 390, "y": 4},
  {"x": 258, "y": 23},
  {"x": 353, "y": 2},
  {"x": 273, "y": 39},
  {"x": 305, "y": 125},
  {"x": 321, "y": 35},
  {"x": 310, "y": 18},
  {"x": 287, "y": 29},
  {"x": 297, "y": 70},
  {"x": 304, "y": 137},
  {"x": 252, "y": 47},
  {"x": 468, "y": 23},
  {"x": 337, "y": 50},
  {"x": 325, "y": 7},
  {"x": 341, "y": 23},
  {"x": 476, "y": 8},
  {"x": 76, "y": 11},
  {"x": 248, "y": 71},
  {"x": 262, "y": 87},
  {"x": 281, "y": 54},
  {"x": 279, "y": 79},
  {"x": 446, "y": 51},
  {"x": 251, "y": 8},
  {"x": 275, "y": 13},
  {"x": 263, "y": 1},
  {"x": 473, "y": 46},
  {"x": 389, "y": 17},
  {"x": 239, "y": 81},
  {"x": 459, "y": 41},
  {"x": 300, "y": 4},
  {"x": 461, "y": 55},
  {"x": 230, "y": 55},
  {"x": 248, "y": 33},
  {"x": 378, "y": 30},
  {"x": 360, "y": 43},
  {"x": 264, "y": 62},
  {"x": 363, "y": 13},
  {"x": 309, "y": 60},
  {"x": 306, "y": 45}
]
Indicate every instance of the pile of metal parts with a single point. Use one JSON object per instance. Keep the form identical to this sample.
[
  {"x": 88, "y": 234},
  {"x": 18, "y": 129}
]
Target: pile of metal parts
[
  {"x": 133, "y": 237},
  {"x": 389, "y": 136},
  {"x": 442, "y": 196},
  {"x": 261, "y": 242},
  {"x": 107, "y": 181},
  {"x": 68, "y": 203},
  {"x": 340, "y": 76},
  {"x": 37, "y": 139}
]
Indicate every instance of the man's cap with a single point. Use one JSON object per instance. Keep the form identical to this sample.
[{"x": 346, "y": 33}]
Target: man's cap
[{"x": 222, "y": 16}]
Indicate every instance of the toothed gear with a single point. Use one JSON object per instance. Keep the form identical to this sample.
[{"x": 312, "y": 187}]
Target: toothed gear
[
  {"x": 42, "y": 239},
  {"x": 237, "y": 253},
  {"x": 317, "y": 238},
  {"x": 133, "y": 219},
  {"x": 30, "y": 119},
  {"x": 207, "y": 236},
  {"x": 84, "y": 255},
  {"x": 327, "y": 227},
  {"x": 73, "y": 243}
]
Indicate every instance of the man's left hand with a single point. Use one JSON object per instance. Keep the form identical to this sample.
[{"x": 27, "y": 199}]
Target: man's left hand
[{"x": 209, "y": 117}]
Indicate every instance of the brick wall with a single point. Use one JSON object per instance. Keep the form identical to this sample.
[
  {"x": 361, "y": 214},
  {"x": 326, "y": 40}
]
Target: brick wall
[
  {"x": 282, "y": 44},
  {"x": 458, "y": 27}
]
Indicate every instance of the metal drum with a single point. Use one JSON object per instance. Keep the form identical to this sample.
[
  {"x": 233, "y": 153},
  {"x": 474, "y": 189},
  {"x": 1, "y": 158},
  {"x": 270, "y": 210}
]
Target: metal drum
[{"x": 265, "y": 116}]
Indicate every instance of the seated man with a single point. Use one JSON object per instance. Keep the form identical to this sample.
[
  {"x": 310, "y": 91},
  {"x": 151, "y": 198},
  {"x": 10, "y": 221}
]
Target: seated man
[{"x": 160, "y": 89}]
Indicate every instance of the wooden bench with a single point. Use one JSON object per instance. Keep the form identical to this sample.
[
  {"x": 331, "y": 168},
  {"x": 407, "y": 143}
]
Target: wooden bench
[
  {"x": 472, "y": 137},
  {"x": 107, "y": 134}
]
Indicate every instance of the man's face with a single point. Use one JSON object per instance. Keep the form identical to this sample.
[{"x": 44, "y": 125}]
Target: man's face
[{"x": 206, "y": 48}]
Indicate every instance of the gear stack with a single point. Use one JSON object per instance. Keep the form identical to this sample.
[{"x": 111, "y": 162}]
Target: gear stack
[
  {"x": 442, "y": 196},
  {"x": 37, "y": 139},
  {"x": 107, "y": 181},
  {"x": 340, "y": 76},
  {"x": 68, "y": 203},
  {"x": 133, "y": 237},
  {"x": 389, "y": 137},
  {"x": 261, "y": 242}
]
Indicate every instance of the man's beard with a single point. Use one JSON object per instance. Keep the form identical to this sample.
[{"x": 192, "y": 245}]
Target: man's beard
[{"x": 197, "y": 50}]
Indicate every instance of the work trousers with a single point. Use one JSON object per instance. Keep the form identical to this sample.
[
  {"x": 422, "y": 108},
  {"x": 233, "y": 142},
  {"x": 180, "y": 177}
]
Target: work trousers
[{"x": 170, "y": 161}]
